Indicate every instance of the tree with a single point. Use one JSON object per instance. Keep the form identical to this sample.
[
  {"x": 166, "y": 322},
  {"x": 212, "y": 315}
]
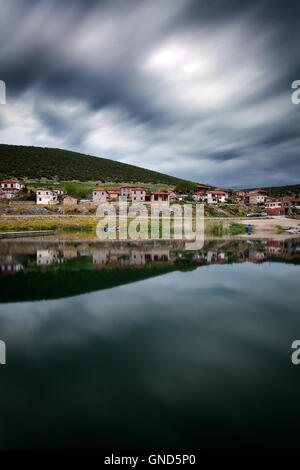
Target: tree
[{"x": 186, "y": 186}]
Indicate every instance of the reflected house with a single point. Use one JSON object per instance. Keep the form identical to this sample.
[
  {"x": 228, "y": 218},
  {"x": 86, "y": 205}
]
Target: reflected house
[
  {"x": 138, "y": 258},
  {"x": 100, "y": 258},
  {"x": 9, "y": 265},
  {"x": 158, "y": 256},
  {"x": 47, "y": 257},
  {"x": 160, "y": 197},
  {"x": 277, "y": 248},
  {"x": 256, "y": 256},
  {"x": 70, "y": 253}
]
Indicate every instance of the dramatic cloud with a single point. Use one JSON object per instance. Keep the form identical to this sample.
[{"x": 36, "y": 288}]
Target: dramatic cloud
[{"x": 197, "y": 89}]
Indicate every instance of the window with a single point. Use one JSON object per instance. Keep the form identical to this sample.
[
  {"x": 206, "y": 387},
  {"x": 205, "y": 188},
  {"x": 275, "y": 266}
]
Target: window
[{"x": 40, "y": 198}]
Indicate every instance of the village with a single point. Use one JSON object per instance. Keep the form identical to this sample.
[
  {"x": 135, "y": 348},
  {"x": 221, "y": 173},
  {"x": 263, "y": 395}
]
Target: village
[{"x": 259, "y": 198}]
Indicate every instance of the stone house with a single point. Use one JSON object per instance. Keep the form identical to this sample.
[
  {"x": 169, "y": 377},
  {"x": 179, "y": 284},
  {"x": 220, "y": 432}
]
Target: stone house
[
  {"x": 160, "y": 197},
  {"x": 70, "y": 201},
  {"x": 255, "y": 198},
  {"x": 99, "y": 196},
  {"x": 138, "y": 194},
  {"x": 48, "y": 196}
]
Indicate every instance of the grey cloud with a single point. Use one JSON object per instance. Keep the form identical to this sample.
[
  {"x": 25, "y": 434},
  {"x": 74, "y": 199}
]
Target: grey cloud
[{"x": 196, "y": 89}]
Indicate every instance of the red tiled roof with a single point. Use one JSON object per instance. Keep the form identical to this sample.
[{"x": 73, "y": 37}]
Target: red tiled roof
[
  {"x": 216, "y": 192},
  {"x": 99, "y": 189},
  {"x": 260, "y": 190},
  {"x": 253, "y": 194},
  {"x": 161, "y": 193},
  {"x": 11, "y": 181}
]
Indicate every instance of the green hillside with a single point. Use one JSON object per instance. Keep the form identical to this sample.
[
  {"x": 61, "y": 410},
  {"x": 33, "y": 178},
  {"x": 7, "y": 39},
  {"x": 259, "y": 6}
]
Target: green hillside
[
  {"x": 37, "y": 162},
  {"x": 280, "y": 191}
]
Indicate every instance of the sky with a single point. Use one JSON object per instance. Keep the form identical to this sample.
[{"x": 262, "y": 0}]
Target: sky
[{"x": 193, "y": 88}]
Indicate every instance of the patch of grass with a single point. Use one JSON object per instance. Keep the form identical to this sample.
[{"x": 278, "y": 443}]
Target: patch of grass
[{"x": 237, "y": 229}]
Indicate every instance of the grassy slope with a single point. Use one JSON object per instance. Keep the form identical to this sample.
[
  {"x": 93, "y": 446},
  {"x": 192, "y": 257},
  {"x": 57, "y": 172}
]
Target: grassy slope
[
  {"x": 280, "y": 191},
  {"x": 37, "y": 162}
]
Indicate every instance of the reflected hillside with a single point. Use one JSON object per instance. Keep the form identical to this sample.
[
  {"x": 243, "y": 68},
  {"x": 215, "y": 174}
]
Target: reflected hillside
[{"x": 45, "y": 270}]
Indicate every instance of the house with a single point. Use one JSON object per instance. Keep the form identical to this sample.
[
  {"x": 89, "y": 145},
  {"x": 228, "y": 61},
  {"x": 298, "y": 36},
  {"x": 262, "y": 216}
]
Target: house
[
  {"x": 255, "y": 198},
  {"x": 12, "y": 185},
  {"x": 199, "y": 196},
  {"x": 214, "y": 197},
  {"x": 99, "y": 195},
  {"x": 48, "y": 196},
  {"x": 70, "y": 201},
  {"x": 160, "y": 197},
  {"x": 280, "y": 206},
  {"x": 113, "y": 194},
  {"x": 5, "y": 195},
  {"x": 273, "y": 203},
  {"x": 172, "y": 194},
  {"x": 125, "y": 191},
  {"x": 137, "y": 194},
  {"x": 259, "y": 191},
  {"x": 10, "y": 188}
]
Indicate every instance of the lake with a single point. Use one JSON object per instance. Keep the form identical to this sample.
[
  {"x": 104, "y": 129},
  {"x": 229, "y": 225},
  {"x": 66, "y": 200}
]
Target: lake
[{"x": 130, "y": 346}]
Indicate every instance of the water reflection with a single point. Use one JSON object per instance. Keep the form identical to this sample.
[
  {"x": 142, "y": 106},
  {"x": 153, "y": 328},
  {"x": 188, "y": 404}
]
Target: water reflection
[
  {"x": 196, "y": 358},
  {"x": 16, "y": 256}
]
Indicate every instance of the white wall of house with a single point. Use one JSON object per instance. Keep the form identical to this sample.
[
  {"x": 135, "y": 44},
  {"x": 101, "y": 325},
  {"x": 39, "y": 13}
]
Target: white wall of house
[
  {"x": 257, "y": 199},
  {"x": 47, "y": 196},
  {"x": 212, "y": 198},
  {"x": 47, "y": 257},
  {"x": 6, "y": 185},
  {"x": 273, "y": 204}
]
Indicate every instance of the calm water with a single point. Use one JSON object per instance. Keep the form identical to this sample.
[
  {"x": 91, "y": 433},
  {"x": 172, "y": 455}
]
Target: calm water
[{"x": 149, "y": 346}]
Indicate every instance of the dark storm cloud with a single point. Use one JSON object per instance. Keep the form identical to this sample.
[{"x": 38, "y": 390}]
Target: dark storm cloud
[{"x": 192, "y": 88}]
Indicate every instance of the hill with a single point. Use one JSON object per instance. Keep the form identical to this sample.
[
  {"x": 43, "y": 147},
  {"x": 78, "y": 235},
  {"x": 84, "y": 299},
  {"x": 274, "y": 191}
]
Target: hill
[
  {"x": 41, "y": 162},
  {"x": 280, "y": 191}
]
